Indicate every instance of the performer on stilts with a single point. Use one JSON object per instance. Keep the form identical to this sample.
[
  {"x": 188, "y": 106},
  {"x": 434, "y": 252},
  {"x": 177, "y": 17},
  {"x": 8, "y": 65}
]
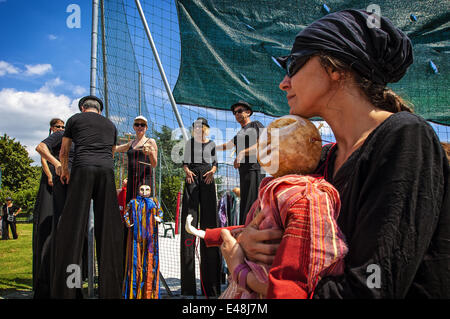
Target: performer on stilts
[
  {"x": 43, "y": 207},
  {"x": 199, "y": 200},
  {"x": 91, "y": 178}
]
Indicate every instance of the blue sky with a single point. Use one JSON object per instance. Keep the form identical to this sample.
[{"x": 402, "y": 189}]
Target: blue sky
[{"x": 44, "y": 66}]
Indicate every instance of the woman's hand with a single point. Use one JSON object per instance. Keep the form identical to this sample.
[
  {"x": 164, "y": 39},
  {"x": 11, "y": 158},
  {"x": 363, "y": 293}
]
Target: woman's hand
[
  {"x": 255, "y": 243},
  {"x": 209, "y": 175},
  {"x": 50, "y": 181},
  {"x": 231, "y": 250},
  {"x": 189, "y": 175},
  {"x": 148, "y": 149}
]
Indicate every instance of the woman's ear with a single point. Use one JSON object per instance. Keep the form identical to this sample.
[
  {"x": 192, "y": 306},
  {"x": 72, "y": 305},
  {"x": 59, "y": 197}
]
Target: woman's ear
[{"x": 334, "y": 74}]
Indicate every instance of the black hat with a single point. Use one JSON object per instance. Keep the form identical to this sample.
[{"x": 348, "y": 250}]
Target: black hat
[
  {"x": 201, "y": 120},
  {"x": 8, "y": 199},
  {"x": 90, "y": 97},
  {"x": 381, "y": 54},
  {"x": 244, "y": 104}
]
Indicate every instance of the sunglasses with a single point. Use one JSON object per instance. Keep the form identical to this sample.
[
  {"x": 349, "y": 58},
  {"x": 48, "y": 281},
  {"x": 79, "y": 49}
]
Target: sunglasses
[
  {"x": 239, "y": 111},
  {"x": 59, "y": 126},
  {"x": 295, "y": 63},
  {"x": 140, "y": 124}
]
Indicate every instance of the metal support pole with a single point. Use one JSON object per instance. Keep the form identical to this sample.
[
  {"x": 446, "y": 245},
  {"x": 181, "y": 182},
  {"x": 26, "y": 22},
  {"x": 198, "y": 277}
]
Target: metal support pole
[
  {"x": 105, "y": 73},
  {"x": 159, "y": 186},
  {"x": 140, "y": 94},
  {"x": 161, "y": 70},
  {"x": 91, "y": 253},
  {"x": 94, "y": 38}
]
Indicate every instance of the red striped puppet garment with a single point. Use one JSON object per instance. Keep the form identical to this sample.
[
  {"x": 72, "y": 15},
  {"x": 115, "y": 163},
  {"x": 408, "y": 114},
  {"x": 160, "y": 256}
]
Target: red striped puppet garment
[{"x": 306, "y": 209}]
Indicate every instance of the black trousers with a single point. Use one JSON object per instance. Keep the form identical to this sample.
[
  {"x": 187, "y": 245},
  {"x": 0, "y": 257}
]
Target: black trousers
[
  {"x": 204, "y": 195},
  {"x": 86, "y": 183},
  {"x": 6, "y": 225},
  {"x": 42, "y": 222},
  {"x": 42, "y": 283},
  {"x": 249, "y": 185}
]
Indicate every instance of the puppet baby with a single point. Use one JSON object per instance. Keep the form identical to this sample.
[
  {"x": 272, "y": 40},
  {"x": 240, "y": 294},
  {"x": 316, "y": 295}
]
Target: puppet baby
[
  {"x": 304, "y": 206},
  {"x": 142, "y": 262}
]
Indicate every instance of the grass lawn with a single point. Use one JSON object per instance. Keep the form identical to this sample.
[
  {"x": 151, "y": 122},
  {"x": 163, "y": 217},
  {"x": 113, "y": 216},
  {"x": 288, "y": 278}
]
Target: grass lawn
[{"x": 16, "y": 261}]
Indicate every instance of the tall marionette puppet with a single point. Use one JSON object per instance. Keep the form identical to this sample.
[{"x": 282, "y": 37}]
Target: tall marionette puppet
[
  {"x": 304, "y": 206},
  {"x": 142, "y": 254}
]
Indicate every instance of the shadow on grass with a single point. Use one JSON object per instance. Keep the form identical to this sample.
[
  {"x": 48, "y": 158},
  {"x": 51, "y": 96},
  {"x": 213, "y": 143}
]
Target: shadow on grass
[{"x": 15, "y": 286}]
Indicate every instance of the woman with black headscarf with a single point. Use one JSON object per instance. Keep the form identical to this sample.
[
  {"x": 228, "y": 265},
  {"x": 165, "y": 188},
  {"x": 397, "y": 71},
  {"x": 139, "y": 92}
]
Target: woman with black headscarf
[{"x": 387, "y": 164}]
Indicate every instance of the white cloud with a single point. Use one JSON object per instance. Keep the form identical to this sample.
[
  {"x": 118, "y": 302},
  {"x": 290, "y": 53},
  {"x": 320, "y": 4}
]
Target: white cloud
[
  {"x": 26, "y": 115},
  {"x": 79, "y": 90},
  {"x": 52, "y": 37},
  {"x": 37, "y": 69},
  {"x": 7, "y": 68}
]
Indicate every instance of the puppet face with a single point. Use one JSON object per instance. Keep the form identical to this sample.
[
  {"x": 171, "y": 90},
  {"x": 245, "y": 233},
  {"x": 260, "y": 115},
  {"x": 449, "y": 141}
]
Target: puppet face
[
  {"x": 144, "y": 191},
  {"x": 289, "y": 145}
]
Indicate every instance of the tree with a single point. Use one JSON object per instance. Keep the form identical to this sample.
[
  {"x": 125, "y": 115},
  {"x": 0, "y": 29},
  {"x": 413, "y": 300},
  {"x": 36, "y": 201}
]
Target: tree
[
  {"x": 172, "y": 174},
  {"x": 20, "y": 180},
  {"x": 15, "y": 164}
]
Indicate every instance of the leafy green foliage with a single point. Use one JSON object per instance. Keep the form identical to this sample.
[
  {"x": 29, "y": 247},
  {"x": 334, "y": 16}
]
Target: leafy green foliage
[
  {"x": 15, "y": 164},
  {"x": 172, "y": 174},
  {"x": 20, "y": 180}
]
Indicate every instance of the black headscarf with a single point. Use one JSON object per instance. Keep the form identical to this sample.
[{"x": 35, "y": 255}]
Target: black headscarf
[{"x": 381, "y": 55}]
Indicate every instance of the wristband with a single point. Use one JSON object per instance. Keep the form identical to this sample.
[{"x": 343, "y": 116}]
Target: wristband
[
  {"x": 240, "y": 275},
  {"x": 242, "y": 282}
]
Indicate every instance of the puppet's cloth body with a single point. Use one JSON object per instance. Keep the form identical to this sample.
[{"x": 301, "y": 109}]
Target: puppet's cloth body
[
  {"x": 306, "y": 209},
  {"x": 142, "y": 254}
]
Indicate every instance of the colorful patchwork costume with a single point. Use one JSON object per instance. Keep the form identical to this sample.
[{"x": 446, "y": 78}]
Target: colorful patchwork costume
[{"x": 142, "y": 254}]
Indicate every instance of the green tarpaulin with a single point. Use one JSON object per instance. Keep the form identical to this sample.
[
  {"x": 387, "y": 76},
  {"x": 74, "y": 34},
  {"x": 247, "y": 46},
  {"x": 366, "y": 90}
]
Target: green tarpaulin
[{"x": 227, "y": 50}]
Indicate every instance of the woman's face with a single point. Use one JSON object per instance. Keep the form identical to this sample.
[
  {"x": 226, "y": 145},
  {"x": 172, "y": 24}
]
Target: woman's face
[
  {"x": 198, "y": 130},
  {"x": 307, "y": 91},
  {"x": 140, "y": 127},
  {"x": 58, "y": 126}
]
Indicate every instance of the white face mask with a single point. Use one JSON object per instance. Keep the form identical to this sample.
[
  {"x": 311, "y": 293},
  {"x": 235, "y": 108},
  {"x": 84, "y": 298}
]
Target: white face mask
[{"x": 144, "y": 191}]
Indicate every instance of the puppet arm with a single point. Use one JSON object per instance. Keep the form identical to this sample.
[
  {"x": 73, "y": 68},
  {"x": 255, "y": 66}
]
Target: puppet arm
[{"x": 211, "y": 236}]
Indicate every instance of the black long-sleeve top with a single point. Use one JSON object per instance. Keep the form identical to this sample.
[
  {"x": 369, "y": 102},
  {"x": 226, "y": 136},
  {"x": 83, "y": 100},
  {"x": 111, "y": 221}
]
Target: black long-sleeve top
[
  {"x": 395, "y": 214},
  {"x": 200, "y": 155}
]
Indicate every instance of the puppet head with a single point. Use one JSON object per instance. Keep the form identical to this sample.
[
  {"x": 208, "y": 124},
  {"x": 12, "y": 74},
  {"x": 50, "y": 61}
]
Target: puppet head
[
  {"x": 145, "y": 190},
  {"x": 289, "y": 145}
]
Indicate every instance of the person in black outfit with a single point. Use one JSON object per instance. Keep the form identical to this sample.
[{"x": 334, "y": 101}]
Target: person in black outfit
[
  {"x": 10, "y": 211},
  {"x": 199, "y": 164},
  {"x": 49, "y": 150},
  {"x": 43, "y": 207},
  {"x": 387, "y": 163},
  {"x": 92, "y": 177},
  {"x": 245, "y": 141}
]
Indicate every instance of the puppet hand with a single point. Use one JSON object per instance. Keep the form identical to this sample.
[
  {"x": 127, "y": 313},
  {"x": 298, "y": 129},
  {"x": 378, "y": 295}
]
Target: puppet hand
[
  {"x": 231, "y": 250},
  {"x": 254, "y": 241}
]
